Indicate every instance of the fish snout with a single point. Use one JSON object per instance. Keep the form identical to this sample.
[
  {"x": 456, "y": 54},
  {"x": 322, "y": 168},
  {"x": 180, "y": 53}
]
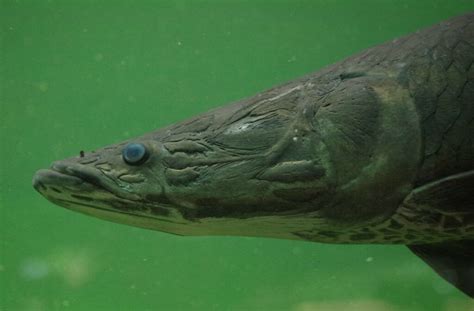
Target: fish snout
[{"x": 48, "y": 181}]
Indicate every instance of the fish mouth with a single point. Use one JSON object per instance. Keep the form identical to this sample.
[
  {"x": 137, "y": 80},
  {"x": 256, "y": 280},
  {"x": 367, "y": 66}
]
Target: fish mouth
[
  {"x": 78, "y": 179},
  {"x": 50, "y": 179},
  {"x": 62, "y": 186},
  {"x": 81, "y": 191}
]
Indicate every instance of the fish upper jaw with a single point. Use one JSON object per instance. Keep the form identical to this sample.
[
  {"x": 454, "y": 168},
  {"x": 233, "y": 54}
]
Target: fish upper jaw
[
  {"x": 46, "y": 179},
  {"x": 77, "y": 179}
]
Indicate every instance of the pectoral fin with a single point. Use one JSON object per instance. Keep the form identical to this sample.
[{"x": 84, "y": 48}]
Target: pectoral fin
[
  {"x": 454, "y": 261},
  {"x": 451, "y": 196}
]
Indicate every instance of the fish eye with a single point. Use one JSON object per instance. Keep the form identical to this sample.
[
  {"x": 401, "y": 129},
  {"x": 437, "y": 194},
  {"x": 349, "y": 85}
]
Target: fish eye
[{"x": 135, "y": 154}]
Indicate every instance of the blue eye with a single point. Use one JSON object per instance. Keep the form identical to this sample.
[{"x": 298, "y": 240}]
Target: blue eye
[{"x": 134, "y": 154}]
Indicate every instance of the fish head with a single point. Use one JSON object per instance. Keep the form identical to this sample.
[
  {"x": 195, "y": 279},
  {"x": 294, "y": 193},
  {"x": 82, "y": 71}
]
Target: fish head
[
  {"x": 250, "y": 164},
  {"x": 297, "y": 158}
]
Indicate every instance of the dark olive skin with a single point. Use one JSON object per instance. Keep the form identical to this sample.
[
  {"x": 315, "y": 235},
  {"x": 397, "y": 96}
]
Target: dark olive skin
[{"x": 377, "y": 148}]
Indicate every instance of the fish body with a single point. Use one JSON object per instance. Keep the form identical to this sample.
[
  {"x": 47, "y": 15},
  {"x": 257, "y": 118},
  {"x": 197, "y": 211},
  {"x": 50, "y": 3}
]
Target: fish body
[{"x": 377, "y": 148}]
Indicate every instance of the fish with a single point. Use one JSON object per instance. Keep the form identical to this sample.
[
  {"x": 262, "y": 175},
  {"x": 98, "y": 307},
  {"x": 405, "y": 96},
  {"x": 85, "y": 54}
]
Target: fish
[{"x": 377, "y": 148}]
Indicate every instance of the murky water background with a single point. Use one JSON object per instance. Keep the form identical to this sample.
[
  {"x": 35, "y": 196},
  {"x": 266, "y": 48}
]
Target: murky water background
[{"x": 76, "y": 75}]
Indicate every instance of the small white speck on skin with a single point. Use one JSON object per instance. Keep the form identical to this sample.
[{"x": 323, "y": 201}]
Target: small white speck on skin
[
  {"x": 296, "y": 130},
  {"x": 369, "y": 259},
  {"x": 295, "y": 138},
  {"x": 180, "y": 43},
  {"x": 243, "y": 127}
]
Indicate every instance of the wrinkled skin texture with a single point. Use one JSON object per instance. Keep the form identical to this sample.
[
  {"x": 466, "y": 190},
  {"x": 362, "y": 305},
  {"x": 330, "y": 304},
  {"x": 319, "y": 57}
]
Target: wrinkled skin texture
[
  {"x": 337, "y": 149},
  {"x": 349, "y": 154}
]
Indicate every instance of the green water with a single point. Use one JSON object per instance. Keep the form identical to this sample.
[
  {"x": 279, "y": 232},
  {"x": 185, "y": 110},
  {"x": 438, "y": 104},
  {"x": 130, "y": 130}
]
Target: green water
[{"x": 77, "y": 75}]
